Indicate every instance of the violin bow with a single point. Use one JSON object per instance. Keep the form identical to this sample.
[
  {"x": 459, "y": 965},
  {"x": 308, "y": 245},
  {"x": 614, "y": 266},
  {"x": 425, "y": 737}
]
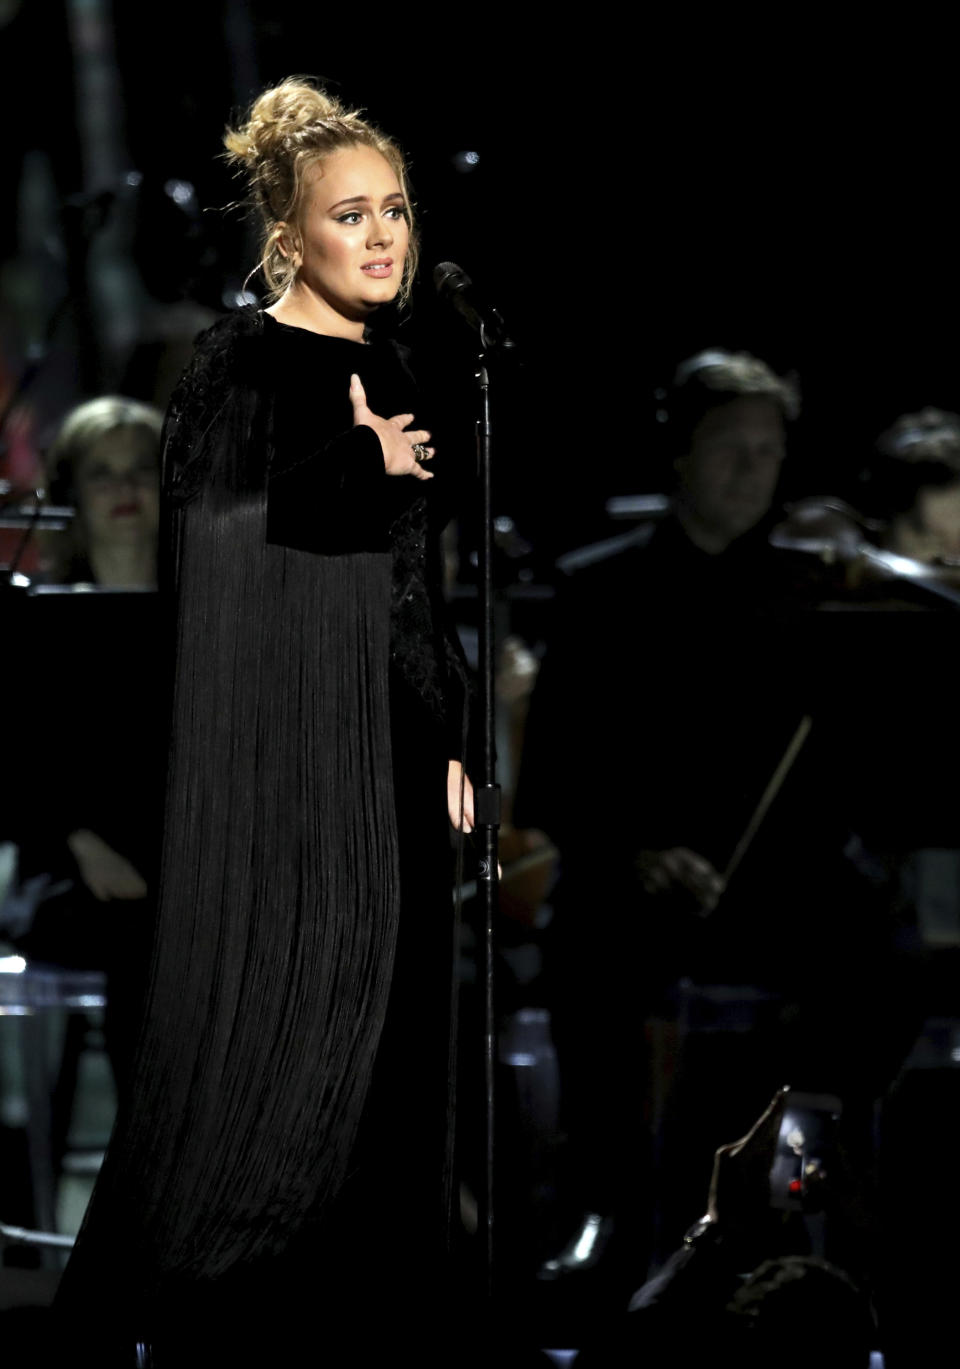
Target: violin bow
[{"x": 773, "y": 788}]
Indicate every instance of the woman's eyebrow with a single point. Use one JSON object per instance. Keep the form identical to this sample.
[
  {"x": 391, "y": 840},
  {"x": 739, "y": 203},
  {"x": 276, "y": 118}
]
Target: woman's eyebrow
[{"x": 365, "y": 199}]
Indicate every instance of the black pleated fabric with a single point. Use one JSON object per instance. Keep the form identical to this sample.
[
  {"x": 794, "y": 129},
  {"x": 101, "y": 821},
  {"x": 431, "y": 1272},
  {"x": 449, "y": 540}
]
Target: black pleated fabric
[{"x": 280, "y": 891}]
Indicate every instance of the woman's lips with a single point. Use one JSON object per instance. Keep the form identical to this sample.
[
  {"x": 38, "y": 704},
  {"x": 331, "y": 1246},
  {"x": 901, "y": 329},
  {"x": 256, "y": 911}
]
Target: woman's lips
[
  {"x": 124, "y": 510},
  {"x": 381, "y": 268}
]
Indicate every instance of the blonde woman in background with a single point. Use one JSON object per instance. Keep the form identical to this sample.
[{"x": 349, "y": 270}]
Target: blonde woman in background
[
  {"x": 105, "y": 461},
  {"x": 88, "y": 812}
]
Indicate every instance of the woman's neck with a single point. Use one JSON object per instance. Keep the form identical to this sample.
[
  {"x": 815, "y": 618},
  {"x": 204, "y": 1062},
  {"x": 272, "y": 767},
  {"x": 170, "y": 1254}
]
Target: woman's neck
[
  {"x": 302, "y": 307},
  {"x": 133, "y": 567}
]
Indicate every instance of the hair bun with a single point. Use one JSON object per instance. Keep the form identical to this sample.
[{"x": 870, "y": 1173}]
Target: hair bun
[{"x": 278, "y": 120}]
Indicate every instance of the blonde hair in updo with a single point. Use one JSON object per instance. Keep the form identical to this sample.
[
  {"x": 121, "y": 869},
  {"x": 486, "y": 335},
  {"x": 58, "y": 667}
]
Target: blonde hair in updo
[{"x": 287, "y": 131}]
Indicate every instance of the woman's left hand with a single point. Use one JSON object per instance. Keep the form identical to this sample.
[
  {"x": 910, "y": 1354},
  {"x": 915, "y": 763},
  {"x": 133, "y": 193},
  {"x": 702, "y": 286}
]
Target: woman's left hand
[{"x": 454, "y": 773}]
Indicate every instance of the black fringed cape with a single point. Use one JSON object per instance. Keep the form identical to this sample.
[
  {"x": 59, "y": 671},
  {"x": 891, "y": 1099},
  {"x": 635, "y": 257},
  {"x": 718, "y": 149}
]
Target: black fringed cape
[{"x": 316, "y": 699}]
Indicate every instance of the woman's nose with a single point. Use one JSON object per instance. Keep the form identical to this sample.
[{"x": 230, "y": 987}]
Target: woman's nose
[{"x": 381, "y": 234}]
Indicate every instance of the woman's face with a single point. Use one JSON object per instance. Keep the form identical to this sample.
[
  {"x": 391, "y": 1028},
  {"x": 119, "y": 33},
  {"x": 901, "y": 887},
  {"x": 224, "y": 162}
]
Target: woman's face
[
  {"x": 353, "y": 233},
  {"x": 118, "y": 488}
]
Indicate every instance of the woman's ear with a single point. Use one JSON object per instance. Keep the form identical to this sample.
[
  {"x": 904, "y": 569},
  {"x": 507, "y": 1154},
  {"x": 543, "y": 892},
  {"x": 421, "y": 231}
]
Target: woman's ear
[{"x": 288, "y": 243}]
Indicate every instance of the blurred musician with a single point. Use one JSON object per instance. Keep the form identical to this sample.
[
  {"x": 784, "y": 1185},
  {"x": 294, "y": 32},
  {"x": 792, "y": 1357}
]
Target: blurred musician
[
  {"x": 916, "y": 481},
  {"x": 89, "y": 824},
  {"x": 106, "y": 461},
  {"x": 661, "y": 713},
  {"x": 673, "y": 591},
  {"x": 900, "y": 547}
]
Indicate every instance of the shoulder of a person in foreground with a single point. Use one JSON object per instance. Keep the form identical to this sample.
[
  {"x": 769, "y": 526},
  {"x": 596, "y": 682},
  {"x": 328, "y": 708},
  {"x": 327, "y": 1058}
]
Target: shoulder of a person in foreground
[
  {"x": 226, "y": 352},
  {"x": 229, "y": 333},
  {"x": 227, "y": 363}
]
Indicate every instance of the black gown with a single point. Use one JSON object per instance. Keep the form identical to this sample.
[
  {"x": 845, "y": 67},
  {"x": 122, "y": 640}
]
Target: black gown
[{"x": 288, "y": 1128}]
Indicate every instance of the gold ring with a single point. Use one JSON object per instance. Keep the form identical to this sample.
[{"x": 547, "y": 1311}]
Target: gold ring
[{"x": 420, "y": 452}]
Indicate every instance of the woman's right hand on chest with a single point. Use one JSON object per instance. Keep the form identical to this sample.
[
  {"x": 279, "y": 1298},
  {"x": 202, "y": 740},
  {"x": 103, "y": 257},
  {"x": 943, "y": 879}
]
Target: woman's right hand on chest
[{"x": 398, "y": 442}]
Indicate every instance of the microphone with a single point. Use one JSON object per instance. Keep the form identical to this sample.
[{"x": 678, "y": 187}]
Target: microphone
[{"x": 455, "y": 286}]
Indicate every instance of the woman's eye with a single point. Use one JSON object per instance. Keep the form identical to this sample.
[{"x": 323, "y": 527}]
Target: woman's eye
[
  {"x": 397, "y": 211},
  {"x": 352, "y": 217}
]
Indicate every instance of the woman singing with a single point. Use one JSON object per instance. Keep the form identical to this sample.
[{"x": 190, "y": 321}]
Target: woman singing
[{"x": 281, "y": 1167}]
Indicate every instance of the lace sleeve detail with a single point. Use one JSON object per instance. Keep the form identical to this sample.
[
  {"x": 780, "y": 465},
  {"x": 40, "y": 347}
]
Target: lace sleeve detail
[{"x": 224, "y": 385}]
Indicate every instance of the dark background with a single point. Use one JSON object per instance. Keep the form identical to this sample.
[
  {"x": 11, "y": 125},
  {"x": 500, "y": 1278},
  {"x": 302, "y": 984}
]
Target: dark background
[
  {"x": 649, "y": 183},
  {"x": 646, "y": 187}
]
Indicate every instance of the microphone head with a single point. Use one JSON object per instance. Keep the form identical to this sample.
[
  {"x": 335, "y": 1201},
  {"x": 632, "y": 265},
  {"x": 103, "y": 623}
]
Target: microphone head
[{"x": 448, "y": 277}]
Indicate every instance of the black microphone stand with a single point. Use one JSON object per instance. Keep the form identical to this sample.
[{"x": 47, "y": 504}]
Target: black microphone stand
[
  {"x": 487, "y": 799},
  {"x": 496, "y": 349},
  {"x": 455, "y": 286}
]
